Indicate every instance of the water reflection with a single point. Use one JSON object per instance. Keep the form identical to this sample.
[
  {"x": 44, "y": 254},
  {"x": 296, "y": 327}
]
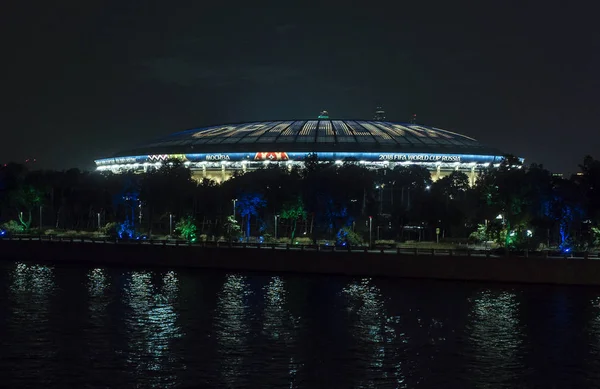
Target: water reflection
[
  {"x": 97, "y": 282},
  {"x": 98, "y": 286},
  {"x": 375, "y": 334},
  {"x": 495, "y": 334},
  {"x": 31, "y": 288},
  {"x": 593, "y": 360},
  {"x": 232, "y": 327},
  {"x": 35, "y": 281},
  {"x": 152, "y": 327},
  {"x": 79, "y": 327},
  {"x": 280, "y": 327}
]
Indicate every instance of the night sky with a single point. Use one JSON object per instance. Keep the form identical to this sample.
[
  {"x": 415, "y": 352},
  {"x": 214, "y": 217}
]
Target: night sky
[{"x": 82, "y": 79}]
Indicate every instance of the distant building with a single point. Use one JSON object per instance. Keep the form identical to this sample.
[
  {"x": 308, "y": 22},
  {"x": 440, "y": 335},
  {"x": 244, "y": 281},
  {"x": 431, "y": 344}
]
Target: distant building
[
  {"x": 323, "y": 115},
  {"x": 379, "y": 115}
]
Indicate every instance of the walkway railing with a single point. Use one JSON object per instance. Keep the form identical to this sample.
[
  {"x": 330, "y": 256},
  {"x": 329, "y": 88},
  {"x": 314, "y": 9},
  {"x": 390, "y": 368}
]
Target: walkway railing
[{"x": 297, "y": 247}]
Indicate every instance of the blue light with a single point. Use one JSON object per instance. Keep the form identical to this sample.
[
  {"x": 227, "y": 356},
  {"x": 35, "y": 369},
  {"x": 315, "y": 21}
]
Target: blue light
[{"x": 2, "y": 232}]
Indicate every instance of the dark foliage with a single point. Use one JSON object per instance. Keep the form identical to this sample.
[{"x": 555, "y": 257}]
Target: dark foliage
[{"x": 515, "y": 204}]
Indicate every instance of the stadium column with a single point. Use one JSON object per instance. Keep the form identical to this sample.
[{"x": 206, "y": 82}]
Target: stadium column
[
  {"x": 203, "y": 171},
  {"x": 439, "y": 171},
  {"x": 472, "y": 178}
]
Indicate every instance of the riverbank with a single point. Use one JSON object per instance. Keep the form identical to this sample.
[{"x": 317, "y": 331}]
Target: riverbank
[{"x": 563, "y": 271}]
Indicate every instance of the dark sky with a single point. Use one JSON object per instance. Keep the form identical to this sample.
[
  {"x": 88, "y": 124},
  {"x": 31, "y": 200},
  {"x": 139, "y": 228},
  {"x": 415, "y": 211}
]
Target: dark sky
[{"x": 82, "y": 79}]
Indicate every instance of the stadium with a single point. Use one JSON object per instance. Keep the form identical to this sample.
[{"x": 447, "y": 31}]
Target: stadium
[{"x": 216, "y": 152}]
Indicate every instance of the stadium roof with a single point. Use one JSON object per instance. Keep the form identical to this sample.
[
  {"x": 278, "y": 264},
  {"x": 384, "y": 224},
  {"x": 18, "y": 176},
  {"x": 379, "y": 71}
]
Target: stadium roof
[{"x": 314, "y": 136}]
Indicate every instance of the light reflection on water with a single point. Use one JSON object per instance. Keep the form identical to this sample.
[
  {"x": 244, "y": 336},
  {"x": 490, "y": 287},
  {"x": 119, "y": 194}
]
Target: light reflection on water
[
  {"x": 152, "y": 326},
  {"x": 30, "y": 290},
  {"x": 280, "y": 327},
  {"x": 374, "y": 331},
  {"x": 70, "y": 327},
  {"x": 232, "y": 327},
  {"x": 495, "y": 334}
]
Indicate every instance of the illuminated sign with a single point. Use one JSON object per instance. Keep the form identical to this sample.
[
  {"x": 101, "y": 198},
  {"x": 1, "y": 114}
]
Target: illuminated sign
[
  {"x": 217, "y": 157},
  {"x": 271, "y": 156},
  {"x": 420, "y": 157},
  {"x": 281, "y": 156},
  {"x": 164, "y": 157}
]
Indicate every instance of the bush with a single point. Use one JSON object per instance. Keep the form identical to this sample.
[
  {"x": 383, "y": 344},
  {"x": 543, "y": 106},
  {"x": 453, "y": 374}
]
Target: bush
[
  {"x": 109, "y": 228},
  {"x": 50, "y": 231},
  {"x": 325, "y": 242},
  {"x": 302, "y": 241},
  {"x": 267, "y": 238},
  {"x": 479, "y": 235},
  {"x": 347, "y": 236},
  {"x": 13, "y": 226},
  {"x": 596, "y": 236},
  {"x": 97, "y": 234},
  {"x": 385, "y": 242}
]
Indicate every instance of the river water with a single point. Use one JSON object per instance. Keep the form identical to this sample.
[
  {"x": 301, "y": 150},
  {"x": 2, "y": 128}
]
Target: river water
[{"x": 78, "y": 327}]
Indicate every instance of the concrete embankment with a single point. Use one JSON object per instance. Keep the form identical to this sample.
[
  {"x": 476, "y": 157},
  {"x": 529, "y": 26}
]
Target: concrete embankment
[{"x": 460, "y": 268}]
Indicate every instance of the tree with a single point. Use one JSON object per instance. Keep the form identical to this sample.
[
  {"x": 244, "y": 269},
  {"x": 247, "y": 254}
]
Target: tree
[
  {"x": 454, "y": 185},
  {"x": 24, "y": 199},
  {"x": 248, "y": 205},
  {"x": 293, "y": 211},
  {"x": 186, "y": 228},
  {"x": 168, "y": 189},
  {"x": 233, "y": 228},
  {"x": 504, "y": 191}
]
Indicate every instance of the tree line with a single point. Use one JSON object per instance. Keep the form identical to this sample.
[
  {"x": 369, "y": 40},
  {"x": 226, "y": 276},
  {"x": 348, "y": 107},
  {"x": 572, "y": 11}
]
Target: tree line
[{"x": 514, "y": 205}]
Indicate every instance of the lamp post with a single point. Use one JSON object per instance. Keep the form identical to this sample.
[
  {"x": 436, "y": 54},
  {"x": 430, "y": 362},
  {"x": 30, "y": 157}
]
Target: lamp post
[
  {"x": 170, "y": 224},
  {"x": 276, "y": 217},
  {"x": 98, "y": 220},
  {"x": 41, "y": 218},
  {"x": 370, "y": 231},
  {"x": 234, "y": 201}
]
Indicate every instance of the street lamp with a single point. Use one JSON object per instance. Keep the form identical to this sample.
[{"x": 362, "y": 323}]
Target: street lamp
[
  {"x": 276, "y": 217},
  {"x": 41, "y": 218},
  {"x": 234, "y": 201},
  {"x": 370, "y": 231},
  {"x": 98, "y": 220},
  {"x": 170, "y": 224}
]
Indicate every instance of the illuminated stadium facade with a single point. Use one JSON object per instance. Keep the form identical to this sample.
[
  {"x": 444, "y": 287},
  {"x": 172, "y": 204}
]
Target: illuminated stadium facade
[{"x": 218, "y": 151}]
